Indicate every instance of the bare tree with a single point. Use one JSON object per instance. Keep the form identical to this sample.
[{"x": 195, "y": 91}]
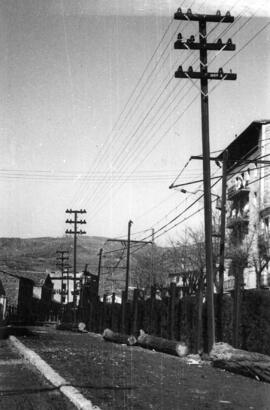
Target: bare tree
[{"x": 151, "y": 267}]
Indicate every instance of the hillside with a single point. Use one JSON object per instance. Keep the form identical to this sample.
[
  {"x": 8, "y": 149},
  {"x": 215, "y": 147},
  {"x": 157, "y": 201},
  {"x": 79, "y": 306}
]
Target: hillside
[{"x": 39, "y": 254}]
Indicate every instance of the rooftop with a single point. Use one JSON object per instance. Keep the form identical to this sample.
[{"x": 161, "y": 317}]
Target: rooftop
[{"x": 244, "y": 144}]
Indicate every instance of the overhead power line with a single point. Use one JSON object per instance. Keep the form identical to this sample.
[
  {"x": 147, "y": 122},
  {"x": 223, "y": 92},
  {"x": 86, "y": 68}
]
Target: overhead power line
[{"x": 141, "y": 161}]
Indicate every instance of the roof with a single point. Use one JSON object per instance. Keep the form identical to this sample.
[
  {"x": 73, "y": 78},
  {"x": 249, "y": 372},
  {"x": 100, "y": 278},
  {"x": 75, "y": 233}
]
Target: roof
[
  {"x": 245, "y": 144},
  {"x": 38, "y": 278}
]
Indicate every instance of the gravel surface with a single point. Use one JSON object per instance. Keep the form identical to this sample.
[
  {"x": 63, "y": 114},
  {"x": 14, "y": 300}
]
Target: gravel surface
[{"x": 119, "y": 377}]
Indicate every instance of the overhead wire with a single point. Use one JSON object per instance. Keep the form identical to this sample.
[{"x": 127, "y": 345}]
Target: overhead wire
[
  {"x": 253, "y": 36},
  {"x": 251, "y": 39},
  {"x": 132, "y": 94},
  {"x": 246, "y": 45},
  {"x": 242, "y": 166},
  {"x": 189, "y": 207},
  {"x": 162, "y": 54}
]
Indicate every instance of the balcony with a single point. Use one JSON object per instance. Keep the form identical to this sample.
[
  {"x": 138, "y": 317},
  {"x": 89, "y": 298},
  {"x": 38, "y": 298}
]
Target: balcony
[
  {"x": 235, "y": 191},
  {"x": 242, "y": 219}
]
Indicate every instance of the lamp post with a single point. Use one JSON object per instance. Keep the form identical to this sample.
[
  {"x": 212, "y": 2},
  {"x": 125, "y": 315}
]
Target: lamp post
[
  {"x": 218, "y": 200},
  {"x": 184, "y": 191}
]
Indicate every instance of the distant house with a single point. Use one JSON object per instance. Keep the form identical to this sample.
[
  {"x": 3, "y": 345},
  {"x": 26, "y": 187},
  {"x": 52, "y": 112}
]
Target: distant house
[
  {"x": 19, "y": 292},
  {"x": 23, "y": 288},
  {"x": 62, "y": 288},
  {"x": 42, "y": 284}
]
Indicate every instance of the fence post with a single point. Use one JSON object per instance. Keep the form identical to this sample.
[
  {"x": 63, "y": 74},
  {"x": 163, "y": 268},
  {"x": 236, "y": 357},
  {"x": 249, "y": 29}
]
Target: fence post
[
  {"x": 152, "y": 310},
  {"x": 236, "y": 306},
  {"x": 90, "y": 320},
  {"x": 172, "y": 310},
  {"x": 102, "y": 313},
  {"x": 123, "y": 312},
  {"x": 113, "y": 313},
  {"x": 135, "y": 312},
  {"x": 199, "y": 346}
]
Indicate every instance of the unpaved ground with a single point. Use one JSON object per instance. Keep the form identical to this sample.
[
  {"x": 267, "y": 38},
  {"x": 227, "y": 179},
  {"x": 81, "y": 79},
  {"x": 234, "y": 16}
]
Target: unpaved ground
[
  {"x": 119, "y": 377},
  {"x": 23, "y": 388}
]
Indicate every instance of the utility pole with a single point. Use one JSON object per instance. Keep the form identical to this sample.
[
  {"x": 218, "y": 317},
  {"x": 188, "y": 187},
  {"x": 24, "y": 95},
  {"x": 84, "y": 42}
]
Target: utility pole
[
  {"x": 203, "y": 75},
  {"x": 128, "y": 258},
  {"x": 99, "y": 266},
  {"x": 222, "y": 246},
  {"x": 75, "y": 232},
  {"x": 68, "y": 279},
  {"x": 61, "y": 263},
  {"x": 127, "y": 243},
  {"x": 153, "y": 274}
]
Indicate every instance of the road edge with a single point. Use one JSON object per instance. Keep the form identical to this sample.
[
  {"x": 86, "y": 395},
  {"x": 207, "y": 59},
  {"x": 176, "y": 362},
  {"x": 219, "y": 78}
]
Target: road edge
[{"x": 79, "y": 401}]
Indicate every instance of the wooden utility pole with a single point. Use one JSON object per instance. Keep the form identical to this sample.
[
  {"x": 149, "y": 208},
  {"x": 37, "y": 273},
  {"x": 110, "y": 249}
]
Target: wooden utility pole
[
  {"x": 153, "y": 274},
  {"x": 75, "y": 232},
  {"x": 99, "y": 267},
  {"x": 128, "y": 258},
  {"x": 203, "y": 75},
  {"x": 61, "y": 263},
  {"x": 127, "y": 244},
  {"x": 222, "y": 247}
]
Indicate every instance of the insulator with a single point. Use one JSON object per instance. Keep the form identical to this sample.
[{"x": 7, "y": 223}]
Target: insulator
[
  {"x": 180, "y": 68},
  {"x": 179, "y": 37},
  {"x": 190, "y": 69},
  {"x": 192, "y": 39},
  {"x": 219, "y": 41},
  {"x": 229, "y": 42},
  {"x": 228, "y": 14},
  {"x": 179, "y": 10},
  {"x": 218, "y": 13},
  {"x": 189, "y": 11}
]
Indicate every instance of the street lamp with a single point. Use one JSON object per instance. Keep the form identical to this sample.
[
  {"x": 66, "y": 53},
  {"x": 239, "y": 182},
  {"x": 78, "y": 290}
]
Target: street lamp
[{"x": 218, "y": 200}]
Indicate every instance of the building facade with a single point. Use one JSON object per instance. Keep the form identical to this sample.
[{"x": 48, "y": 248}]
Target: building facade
[{"x": 248, "y": 207}]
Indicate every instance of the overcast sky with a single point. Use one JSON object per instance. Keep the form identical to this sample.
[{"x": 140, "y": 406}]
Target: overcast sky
[{"x": 91, "y": 116}]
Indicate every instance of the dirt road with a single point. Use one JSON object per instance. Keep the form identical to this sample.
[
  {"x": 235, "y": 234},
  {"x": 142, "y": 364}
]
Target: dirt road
[{"x": 118, "y": 377}]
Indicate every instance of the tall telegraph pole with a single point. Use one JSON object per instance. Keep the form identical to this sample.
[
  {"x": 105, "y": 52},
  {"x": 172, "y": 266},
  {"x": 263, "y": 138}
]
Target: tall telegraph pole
[
  {"x": 128, "y": 259},
  {"x": 127, "y": 244},
  {"x": 75, "y": 232},
  {"x": 99, "y": 267},
  {"x": 62, "y": 258},
  {"x": 203, "y": 75}
]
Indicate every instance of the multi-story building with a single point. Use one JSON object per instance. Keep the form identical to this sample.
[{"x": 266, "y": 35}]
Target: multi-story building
[{"x": 248, "y": 206}]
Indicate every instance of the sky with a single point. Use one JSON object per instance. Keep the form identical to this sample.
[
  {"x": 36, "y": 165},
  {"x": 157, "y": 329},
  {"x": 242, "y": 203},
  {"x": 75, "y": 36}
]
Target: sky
[{"x": 91, "y": 116}]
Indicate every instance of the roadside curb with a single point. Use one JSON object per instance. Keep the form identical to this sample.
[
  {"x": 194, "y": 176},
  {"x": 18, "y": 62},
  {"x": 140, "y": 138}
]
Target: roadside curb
[{"x": 53, "y": 377}]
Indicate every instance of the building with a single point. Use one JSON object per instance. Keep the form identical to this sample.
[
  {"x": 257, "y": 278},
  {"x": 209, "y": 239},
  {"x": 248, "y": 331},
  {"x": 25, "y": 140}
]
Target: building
[
  {"x": 19, "y": 292},
  {"x": 248, "y": 206},
  {"x": 68, "y": 286},
  {"x": 28, "y": 294}
]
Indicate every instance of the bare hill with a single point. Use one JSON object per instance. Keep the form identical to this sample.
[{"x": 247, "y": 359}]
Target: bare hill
[{"x": 39, "y": 254}]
